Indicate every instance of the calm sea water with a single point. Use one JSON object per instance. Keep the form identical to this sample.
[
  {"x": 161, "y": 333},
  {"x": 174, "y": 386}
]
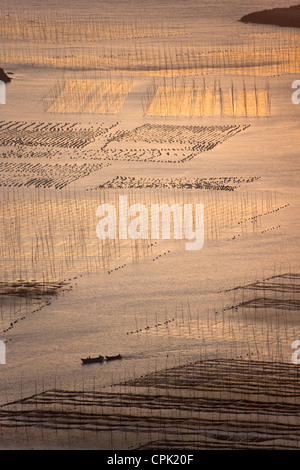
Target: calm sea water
[{"x": 45, "y": 350}]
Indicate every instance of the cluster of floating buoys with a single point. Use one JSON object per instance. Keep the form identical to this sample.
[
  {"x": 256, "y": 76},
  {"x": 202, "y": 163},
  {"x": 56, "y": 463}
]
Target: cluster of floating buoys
[
  {"x": 159, "y": 256},
  {"x": 193, "y": 139},
  {"x": 271, "y": 211},
  {"x": 63, "y": 135},
  {"x": 270, "y": 229},
  {"x": 44, "y": 175},
  {"x": 116, "y": 269},
  {"x": 212, "y": 183},
  {"x": 146, "y": 328}
]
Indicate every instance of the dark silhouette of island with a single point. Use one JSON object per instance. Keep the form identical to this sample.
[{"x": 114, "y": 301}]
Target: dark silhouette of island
[
  {"x": 3, "y": 77},
  {"x": 277, "y": 16}
]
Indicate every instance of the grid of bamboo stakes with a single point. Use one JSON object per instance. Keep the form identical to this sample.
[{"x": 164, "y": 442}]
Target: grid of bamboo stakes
[
  {"x": 246, "y": 59},
  {"x": 88, "y": 97},
  {"x": 62, "y": 40},
  {"x": 178, "y": 134},
  {"x": 222, "y": 403},
  {"x": 241, "y": 393},
  {"x": 67, "y": 27},
  {"x": 48, "y": 134},
  {"x": 235, "y": 100},
  {"x": 53, "y": 218},
  {"x": 43, "y": 175},
  {"x": 277, "y": 384},
  {"x": 257, "y": 320},
  {"x": 166, "y": 142},
  {"x": 50, "y": 236}
]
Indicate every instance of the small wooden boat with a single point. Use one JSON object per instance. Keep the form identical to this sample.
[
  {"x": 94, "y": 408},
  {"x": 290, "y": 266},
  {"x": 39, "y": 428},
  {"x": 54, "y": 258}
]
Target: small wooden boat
[
  {"x": 89, "y": 360},
  {"x": 113, "y": 358}
]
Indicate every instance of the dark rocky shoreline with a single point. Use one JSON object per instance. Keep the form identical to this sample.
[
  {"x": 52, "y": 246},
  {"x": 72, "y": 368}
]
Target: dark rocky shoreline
[
  {"x": 3, "y": 77},
  {"x": 288, "y": 17}
]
